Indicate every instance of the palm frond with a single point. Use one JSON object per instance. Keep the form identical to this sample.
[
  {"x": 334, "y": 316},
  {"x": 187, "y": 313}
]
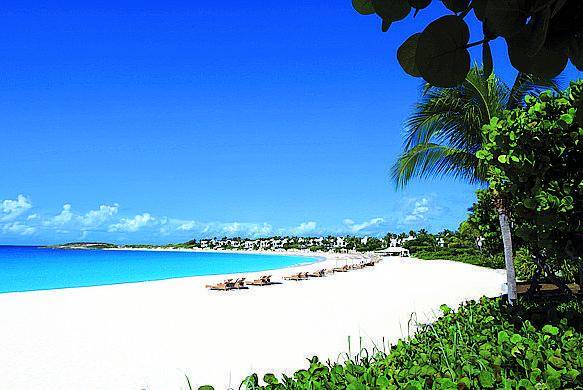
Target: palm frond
[
  {"x": 429, "y": 159},
  {"x": 525, "y": 84},
  {"x": 444, "y": 131}
]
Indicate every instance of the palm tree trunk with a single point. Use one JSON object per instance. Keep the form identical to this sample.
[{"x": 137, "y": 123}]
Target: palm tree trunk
[
  {"x": 503, "y": 217},
  {"x": 508, "y": 257}
]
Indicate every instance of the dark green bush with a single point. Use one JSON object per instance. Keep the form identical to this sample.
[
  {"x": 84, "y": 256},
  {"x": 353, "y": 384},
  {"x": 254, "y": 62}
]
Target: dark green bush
[
  {"x": 476, "y": 346},
  {"x": 464, "y": 255}
]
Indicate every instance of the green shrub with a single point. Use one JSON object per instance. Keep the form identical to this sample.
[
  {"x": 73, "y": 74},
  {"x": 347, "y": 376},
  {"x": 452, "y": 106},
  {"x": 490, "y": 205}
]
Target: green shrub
[
  {"x": 463, "y": 255},
  {"x": 476, "y": 346},
  {"x": 523, "y": 264}
]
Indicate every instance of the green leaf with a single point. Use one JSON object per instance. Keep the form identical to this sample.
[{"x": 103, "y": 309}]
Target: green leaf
[
  {"x": 503, "y": 17},
  {"x": 445, "y": 309},
  {"x": 549, "y": 329},
  {"x": 442, "y": 57},
  {"x": 419, "y": 4},
  {"x": 535, "y": 32},
  {"x": 486, "y": 379},
  {"x": 557, "y": 362},
  {"x": 547, "y": 63},
  {"x": 392, "y": 10},
  {"x": 515, "y": 338},
  {"x": 363, "y": 7},
  {"x": 503, "y": 158},
  {"x": 406, "y": 55},
  {"x": 456, "y": 5},
  {"x": 567, "y": 118},
  {"x": 206, "y": 387},
  {"x": 270, "y": 379}
]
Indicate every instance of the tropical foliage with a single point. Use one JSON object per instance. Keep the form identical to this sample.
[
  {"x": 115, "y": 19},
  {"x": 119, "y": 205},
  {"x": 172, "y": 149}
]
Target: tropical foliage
[
  {"x": 476, "y": 346},
  {"x": 444, "y": 131},
  {"x": 535, "y": 156},
  {"x": 483, "y": 222},
  {"x": 541, "y": 36}
]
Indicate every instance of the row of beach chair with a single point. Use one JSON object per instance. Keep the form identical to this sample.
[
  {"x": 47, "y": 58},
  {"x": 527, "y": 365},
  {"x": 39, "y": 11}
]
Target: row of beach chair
[
  {"x": 265, "y": 280},
  {"x": 240, "y": 283}
]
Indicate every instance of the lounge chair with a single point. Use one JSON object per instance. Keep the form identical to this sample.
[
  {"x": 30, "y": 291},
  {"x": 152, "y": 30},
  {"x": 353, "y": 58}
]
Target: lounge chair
[
  {"x": 298, "y": 276},
  {"x": 344, "y": 268},
  {"x": 239, "y": 283},
  {"x": 318, "y": 274},
  {"x": 262, "y": 281},
  {"x": 226, "y": 285}
]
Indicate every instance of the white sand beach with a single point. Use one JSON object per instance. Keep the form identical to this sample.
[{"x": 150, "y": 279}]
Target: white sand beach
[{"x": 150, "y": 335}]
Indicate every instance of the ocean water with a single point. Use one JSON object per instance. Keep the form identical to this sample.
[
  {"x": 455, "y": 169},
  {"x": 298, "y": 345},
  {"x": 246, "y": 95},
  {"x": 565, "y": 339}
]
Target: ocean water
[{"x": 34, "y": 268}]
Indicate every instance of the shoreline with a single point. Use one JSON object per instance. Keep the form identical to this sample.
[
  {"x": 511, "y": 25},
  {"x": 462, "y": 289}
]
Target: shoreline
[
  {"x": 308, "y": 266},
  {"x": 148, "y": 335},
  {"x": 319, "y": 257}
]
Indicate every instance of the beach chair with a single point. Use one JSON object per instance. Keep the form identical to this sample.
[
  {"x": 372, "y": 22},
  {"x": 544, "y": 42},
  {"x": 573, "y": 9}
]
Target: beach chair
[
  {"x": 262, "y": 281},
  {"x": 298, "y": 276},
  {"x": 318, "y": 274},
  {"x": 226, "y": 285},
  {"x": 344, "y": 268},
  {"x": 239, "y": 283}
]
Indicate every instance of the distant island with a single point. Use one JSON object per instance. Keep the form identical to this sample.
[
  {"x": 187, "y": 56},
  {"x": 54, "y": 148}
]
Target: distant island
[
  {"x": 84, "y": 245},
  {"x": 335, "y": 244}
]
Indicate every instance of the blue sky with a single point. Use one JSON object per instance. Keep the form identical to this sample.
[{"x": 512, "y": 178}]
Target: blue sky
[{"x": 163, "y": 121}]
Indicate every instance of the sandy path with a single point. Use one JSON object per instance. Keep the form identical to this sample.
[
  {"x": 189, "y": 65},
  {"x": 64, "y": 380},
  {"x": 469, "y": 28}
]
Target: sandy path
[{"x": 148, "y": 335}]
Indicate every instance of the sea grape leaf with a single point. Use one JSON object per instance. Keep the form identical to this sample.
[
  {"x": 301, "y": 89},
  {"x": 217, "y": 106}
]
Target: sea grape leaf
[
  {"x": 504, "y": 17},
  {"x": 363, "y": 7},
  {"x": 456, "y": 5},
  {"x": 547, "y": 63},
  {"x": 487, "y": 59},
  {"x": 392, "y": 10},
  {"x": 536, "y": 31},
  {"x": 270, "y": 379},
  {"x": 479, "y": 7},
  {"x": 442, "y": 57},
  {"x": 419, "y": 4},
  {"x": 406, "y": 55},
  {"x": 486, "y": 379},
  {"x": 576, "y": 52}
]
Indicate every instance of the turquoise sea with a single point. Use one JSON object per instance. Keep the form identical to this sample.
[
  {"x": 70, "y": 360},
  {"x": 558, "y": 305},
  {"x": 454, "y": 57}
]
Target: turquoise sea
[{"x": 34, "y": 268}]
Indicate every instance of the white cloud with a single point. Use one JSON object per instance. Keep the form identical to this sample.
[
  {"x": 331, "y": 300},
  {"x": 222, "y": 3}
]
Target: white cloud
[
  {"x": 357, "y": 227},
  {"x": 32, "y": 217},
  {"x": 64, "y": 217},
  {"x": 18, "y": 228},
  {"x": 13, "y": 208},
  {"x": 188, "y": 225},
  {"x": 419, "y": 211},
  {"x": 304, "y": 228},
  {"x": 132, "y": 224},
  {"x": 97, "y": 217},
  {"x": 243, "y": 229},
  {"x": 90, "y": 220}
]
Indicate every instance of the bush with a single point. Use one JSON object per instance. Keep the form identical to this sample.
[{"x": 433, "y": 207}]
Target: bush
[
  {"x": 463, "y": 255},
  {"x": 523, "y": 264},
  {"x": 475, "y": 347}
]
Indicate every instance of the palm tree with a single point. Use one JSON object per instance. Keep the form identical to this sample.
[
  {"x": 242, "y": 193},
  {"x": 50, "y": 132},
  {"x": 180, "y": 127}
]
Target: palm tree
[{"x": 444, "y": 132}]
